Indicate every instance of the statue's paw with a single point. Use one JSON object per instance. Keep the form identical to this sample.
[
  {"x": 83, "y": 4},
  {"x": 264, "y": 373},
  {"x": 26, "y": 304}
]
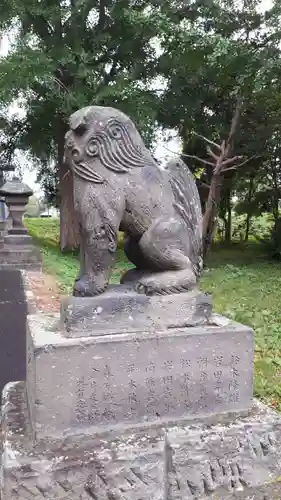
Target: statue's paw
[
  {"x": 147, "y": 286},
  {"x": 166, "y": 283},
  {"x": 84, "y": 287}
]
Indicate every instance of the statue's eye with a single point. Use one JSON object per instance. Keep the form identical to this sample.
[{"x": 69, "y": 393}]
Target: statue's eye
[
  {"x": 115, "y": 131},
  {"x": 92, "y": 148},
  {"x": 80, "y": 129}
]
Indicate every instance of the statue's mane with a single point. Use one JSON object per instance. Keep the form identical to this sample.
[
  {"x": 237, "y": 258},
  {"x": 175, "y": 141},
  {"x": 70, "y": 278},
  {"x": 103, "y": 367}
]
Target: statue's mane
[{"x": 117, "y": 144}]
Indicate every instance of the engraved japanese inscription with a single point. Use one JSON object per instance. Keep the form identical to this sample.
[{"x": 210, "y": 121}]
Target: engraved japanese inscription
[{"x": 160, "y": 378}]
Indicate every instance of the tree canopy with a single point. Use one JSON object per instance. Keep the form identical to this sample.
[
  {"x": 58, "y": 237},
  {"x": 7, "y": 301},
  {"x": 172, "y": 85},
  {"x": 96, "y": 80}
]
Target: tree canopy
[
  {"x": 176, "y": 65},
  {"x": 66, "y": 55}
]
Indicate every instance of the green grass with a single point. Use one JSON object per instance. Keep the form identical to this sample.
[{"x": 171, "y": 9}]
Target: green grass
[{"x": 245, "y": 286}]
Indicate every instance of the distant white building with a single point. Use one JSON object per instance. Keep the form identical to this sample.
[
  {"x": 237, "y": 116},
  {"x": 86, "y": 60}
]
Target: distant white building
[{"x": 50, "y": 212}]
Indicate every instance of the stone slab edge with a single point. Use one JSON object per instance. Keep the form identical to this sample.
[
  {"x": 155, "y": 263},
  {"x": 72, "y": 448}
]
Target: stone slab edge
[
  {"x": 29, "y": 295},
  {"x": 120, "y": 309},
  {"x": 235, "y": 459},
  {"x": 12, "y": 266}
]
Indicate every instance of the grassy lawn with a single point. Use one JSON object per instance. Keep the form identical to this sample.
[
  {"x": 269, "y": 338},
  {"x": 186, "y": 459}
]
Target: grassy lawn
[{"x": 245, "y": 286}]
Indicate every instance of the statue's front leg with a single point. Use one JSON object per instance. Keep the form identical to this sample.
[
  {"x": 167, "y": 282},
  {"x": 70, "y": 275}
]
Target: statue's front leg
[
  {"x": 82, "y": 260},
  {"x": 98, "y": 248}
]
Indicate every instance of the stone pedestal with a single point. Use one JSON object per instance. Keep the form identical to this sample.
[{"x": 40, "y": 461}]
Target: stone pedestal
[
  {"x": 164, "y": 413},
  {"x": 135, "y": 378},
  {"x": 120, "y": 309}
]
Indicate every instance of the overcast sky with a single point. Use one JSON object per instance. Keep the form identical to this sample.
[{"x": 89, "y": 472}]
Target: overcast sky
[{"x": 164, "y": 148}]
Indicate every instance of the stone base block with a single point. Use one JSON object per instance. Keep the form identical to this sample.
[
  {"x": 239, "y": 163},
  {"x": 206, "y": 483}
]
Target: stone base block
[
  {"x": 17, "y": 231},
  {"x": 232, "y": 458},
  {"x": 121, "y": 309},
  {"x": 91, "y": 383},
  {"x": 17, "y": 257},
  {"x": 18, "y": 239}
]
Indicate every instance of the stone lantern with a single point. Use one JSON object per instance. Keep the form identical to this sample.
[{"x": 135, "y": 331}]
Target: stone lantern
[
  {"x": 18, "y": 251},
  {"x": 3, "y": 222},
  {"x": 16, "y": 195}
]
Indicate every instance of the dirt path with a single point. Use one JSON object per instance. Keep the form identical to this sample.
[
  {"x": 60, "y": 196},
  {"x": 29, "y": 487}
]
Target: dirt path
[{"x": 42, "y": 291}]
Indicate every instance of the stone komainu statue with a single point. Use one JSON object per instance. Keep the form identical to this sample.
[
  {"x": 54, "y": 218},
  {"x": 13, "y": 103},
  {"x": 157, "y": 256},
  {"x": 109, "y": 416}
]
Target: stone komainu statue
[{"x": 118, "y": 186}]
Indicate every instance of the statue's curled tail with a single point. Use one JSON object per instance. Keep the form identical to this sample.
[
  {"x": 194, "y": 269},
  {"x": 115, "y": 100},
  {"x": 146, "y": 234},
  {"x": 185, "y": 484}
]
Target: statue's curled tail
[{"x": 187, "y": 204}]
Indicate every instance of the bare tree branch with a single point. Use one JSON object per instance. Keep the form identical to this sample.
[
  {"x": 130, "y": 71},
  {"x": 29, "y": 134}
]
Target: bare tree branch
[
  {"x": 190, "y": 156},
  {"x": 228, "y": 161},
  {"x": 198, "y": 159},
  {"x": 212, "y": 143},
  {"x": 241, "y": 164},
  {"x": 234, "y": 124},
  {"x": 212, "y": 154},
  {"x": 204, "y": 185}
]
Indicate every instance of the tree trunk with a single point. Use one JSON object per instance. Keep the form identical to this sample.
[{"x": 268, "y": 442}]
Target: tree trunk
[
  {"x": 69, "y": 228},
  {"x": 276, "y": 217},
  {"x": 228, "y": 227},
  {"x": 275, "y": 205},
  {"x": 224, "y": 219},
  {"x": 248, "y": 222},
  {"x": 210, "y": 213},
  {"x": 249, "y": 212}
]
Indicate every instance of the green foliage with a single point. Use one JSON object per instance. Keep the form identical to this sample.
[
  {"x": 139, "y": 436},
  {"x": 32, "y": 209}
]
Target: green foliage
[
  {"x": 219, "y": 53},
  {"x": 173, "y": 64},
  {"x": 262, "y": 227},
  {"x": 69, "y": 55}
]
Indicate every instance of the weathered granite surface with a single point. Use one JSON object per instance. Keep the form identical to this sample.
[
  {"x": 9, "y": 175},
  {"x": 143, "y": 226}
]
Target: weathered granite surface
[
  {"x": 232, "y": 458},
  {"x": 120, "y": 309},
  {"x": 118, "y": 185},
  {"x": 85, "y": 383}
]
